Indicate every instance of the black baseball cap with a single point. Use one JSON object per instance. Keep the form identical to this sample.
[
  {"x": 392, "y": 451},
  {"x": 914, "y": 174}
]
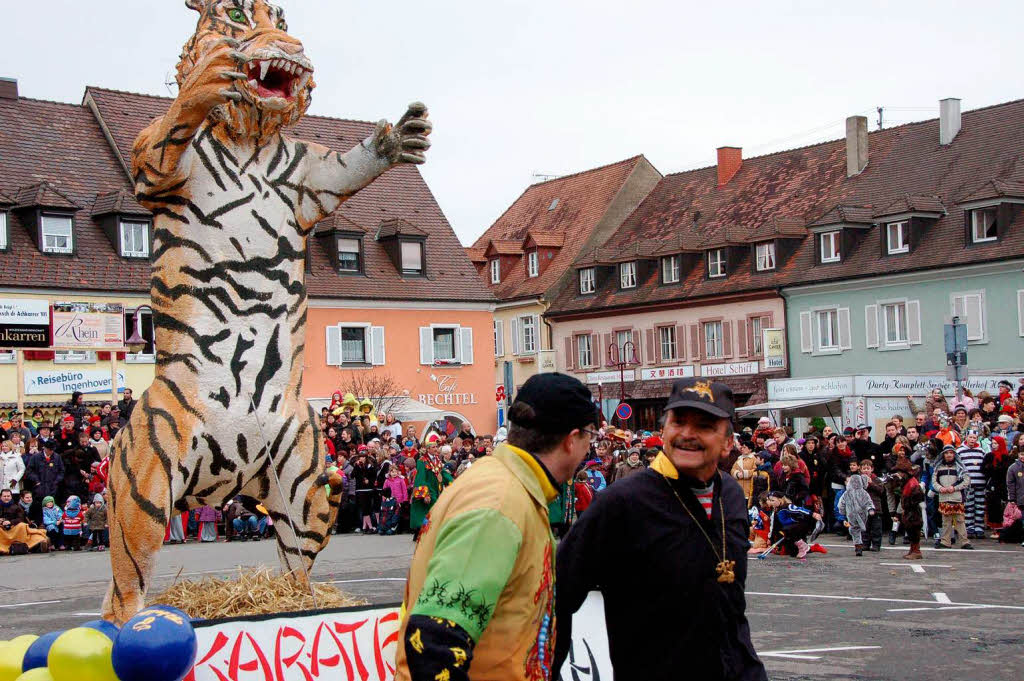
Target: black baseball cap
[
  {"x": 705, "y": 395},
  {"x": 560, "y": 403}
]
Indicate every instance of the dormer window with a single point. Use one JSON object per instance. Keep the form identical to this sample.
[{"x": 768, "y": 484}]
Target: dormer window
[
  {"x": 495, "y": 266},
  {"x": 897, "y": 237},
  {"x": 4, "y": 238},
  {"x": 57, "y": 234},
  {"x": 412, "y": 257},
  {"x": 588, "y": 280},
  {"x": 350, "y": 256},
  {"x": 830, "y": 246},
  {"x": 627, "y": 275},
  {"x": 716, "y": 263},
  {"x": 766, "y": 256},
  {"x": 134, "y": 239},
  {"x": 984, "y": 224},
  {"x": 532, "y": 263},
  {"x": 670, "y": 269}
]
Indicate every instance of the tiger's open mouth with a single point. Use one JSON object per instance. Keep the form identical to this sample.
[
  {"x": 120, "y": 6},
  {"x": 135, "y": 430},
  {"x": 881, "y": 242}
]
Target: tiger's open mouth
[{"x": 278, "y": 77}]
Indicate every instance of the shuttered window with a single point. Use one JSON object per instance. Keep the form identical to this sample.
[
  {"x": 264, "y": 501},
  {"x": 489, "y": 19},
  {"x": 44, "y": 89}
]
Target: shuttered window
[
  {"x": 714, "y": 340},
  {"x": 445, "y": 344},
  {"x": 667, "y": 343},
  {"x": 355, "y": 344},
  {"x": 584, "y": 351},
  {"x": 499, "y": 338},
  {"x": 970, "y": 308}
]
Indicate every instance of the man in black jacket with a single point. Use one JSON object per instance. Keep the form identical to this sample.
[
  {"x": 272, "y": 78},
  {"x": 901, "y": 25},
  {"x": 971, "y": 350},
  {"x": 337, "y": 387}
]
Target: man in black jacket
[{"x": 684, "y": 525}]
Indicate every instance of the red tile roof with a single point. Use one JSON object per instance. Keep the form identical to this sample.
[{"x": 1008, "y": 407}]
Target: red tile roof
[
  {"x": 64, "y": 145},
  {"x": 43, "y": 195},
  {"x": 61, "y": 145},
  {"x": 909, "y": 203},
  {"x": 906, "y": 164},
  {"x": 121, "y": 202},
  {"x": 476, "y": 255},
  {"x": 544, "y": 239},
  {"x": 582, "y": 200}
]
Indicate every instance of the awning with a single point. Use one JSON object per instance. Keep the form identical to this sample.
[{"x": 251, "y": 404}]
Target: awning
[
  {"x": 804, "y": 408},
  {"x": 405, "y": 408}
]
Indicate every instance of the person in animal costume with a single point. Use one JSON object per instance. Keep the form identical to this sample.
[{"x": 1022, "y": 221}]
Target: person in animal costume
[
  {"x": 217, "y": 171},
  {"x": 349, "y": 405},
  {"x": 366, "y": 408},
  {"x": 335, "y": 407}
]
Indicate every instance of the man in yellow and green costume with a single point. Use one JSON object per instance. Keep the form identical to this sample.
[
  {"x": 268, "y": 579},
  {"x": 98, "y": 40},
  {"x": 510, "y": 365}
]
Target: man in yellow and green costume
[{"x": 481, "y": 590}]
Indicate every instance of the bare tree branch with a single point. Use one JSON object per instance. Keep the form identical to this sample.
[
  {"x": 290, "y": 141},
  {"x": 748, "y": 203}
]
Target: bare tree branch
[{"x": 380, "y": 388}]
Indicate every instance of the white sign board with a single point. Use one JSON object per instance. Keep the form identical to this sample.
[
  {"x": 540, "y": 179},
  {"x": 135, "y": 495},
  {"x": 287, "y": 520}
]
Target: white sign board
[
  {"x": 589, "y": 654},
  {"x": 773, "y": 344},
  {"x": 18, "y": 311},
  {"x": 729, "y": 369},
  {"x": 901, "y": 386},
  {"x": 809, "y": 388},
  {"x": 666, "y": 373},
  {"x": 610, "y": 376},
  {"x": 65, "y": 382},
  {"x": 348, "y": 643}
]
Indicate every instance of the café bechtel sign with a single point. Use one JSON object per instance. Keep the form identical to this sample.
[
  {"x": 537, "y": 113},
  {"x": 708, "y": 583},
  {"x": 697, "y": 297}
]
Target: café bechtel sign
[{"x": 447, "y": 393}]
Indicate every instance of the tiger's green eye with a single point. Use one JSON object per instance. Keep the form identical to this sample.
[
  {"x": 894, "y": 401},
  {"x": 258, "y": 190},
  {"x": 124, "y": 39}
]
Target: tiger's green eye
[
  {"x": 282, "y": 26},
  {"x": 237, "y": 16}
]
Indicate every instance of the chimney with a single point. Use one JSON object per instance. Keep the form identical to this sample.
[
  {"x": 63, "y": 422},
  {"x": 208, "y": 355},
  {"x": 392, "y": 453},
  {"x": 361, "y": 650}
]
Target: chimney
[
  {"x": 856, "y": 145},
  {"x": 729, "y": 161},
  {"x": 8, "y": 88},
  {"x": 949, "y": 120}
]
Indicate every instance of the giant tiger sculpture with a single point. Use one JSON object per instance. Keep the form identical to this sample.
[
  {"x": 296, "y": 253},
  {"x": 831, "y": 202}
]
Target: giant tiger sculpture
[{"x": 233, "y": 202}]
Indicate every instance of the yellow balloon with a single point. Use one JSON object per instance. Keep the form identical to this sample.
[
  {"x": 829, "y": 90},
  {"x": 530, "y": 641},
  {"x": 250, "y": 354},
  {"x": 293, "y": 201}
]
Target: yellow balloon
[
  {"x": 11, "y": 655},
  {"x": 81, "y": 654},
  {"x": 37, "y": 674}
]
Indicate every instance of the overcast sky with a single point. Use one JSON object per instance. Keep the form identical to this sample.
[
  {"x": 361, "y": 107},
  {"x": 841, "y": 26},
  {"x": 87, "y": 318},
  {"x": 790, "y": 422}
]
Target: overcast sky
[{"x": 553, "y": 87}]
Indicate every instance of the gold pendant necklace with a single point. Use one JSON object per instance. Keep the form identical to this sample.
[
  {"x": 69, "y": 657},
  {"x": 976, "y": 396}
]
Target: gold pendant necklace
[{"x": 726, "y": 568}]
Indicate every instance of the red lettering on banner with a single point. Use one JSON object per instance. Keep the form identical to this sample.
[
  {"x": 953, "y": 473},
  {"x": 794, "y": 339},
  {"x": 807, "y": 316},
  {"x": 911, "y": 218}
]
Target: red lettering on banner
[
  {"x": 279, "y": 659},
  {"x": 239, "y": 655}
]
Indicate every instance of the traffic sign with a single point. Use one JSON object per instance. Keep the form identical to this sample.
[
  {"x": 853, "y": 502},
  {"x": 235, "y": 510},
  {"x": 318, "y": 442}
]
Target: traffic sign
[
  {"x": 955, "y": 336},
  {"x": 499, "y": 394},
  {"x": 623, "y": 411}
]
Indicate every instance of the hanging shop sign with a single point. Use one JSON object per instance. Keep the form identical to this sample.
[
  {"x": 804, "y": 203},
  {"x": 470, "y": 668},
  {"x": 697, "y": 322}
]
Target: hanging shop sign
[
  {"x": 773, "y": 343},
  {"x": 24, "y": 323},
  {"x": 67, "y": 381},
  {"x": 729, "y": 369},
  {"x": 447, "y": 392},
  {"x": 809, "y": 388},
  {"x": 666, "y": 373},
  {"x": 610, "y": 376},
  {"x": 88, "y": 325}
]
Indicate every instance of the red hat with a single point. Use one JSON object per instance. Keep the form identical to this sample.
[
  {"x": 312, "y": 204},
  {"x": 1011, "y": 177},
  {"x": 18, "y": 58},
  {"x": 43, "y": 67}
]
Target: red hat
[
  {"x": 653, "y": 441},
  {"x": 68, "y": 418},
  {"x": 1010, "y": 409}
]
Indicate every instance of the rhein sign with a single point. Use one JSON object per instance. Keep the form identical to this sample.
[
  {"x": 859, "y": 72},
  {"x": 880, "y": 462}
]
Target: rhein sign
[
  {"x": 88, "y": 325},
  {"x": 24, "y": 323}
]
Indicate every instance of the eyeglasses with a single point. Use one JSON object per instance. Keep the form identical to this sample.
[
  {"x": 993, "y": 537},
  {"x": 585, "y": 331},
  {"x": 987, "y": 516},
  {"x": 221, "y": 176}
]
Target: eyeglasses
[{"x": 592, "y": 434}]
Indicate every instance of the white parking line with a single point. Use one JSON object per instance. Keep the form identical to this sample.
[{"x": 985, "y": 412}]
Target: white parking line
[
  {"x": 932, "y": 603},
  {"x": 916, "y": 567},
  {"x": 21, "y": 605},
  {"x": 942, "y": 598},
  {"x": 923, "y": 548},
  {"x": 802, "y": 654},
  {"x": 373, "y": 579}
]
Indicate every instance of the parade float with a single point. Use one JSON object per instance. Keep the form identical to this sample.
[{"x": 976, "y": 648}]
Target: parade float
[{"x": 225, "y": 414}]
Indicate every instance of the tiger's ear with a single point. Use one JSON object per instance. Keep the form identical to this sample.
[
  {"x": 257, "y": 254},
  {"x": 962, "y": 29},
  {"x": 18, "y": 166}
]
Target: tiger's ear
[{"x": 197, "y": 5}]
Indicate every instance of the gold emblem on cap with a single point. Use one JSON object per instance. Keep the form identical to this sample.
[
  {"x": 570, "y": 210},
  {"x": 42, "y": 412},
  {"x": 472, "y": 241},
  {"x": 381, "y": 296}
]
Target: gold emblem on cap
[{"x": 703, "y": 389}]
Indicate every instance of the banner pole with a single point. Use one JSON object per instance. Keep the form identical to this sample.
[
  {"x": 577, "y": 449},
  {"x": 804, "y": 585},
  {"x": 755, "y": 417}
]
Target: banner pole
[
  {"x": 113, "y": 377},
  {"x": 20, "y": 358}
]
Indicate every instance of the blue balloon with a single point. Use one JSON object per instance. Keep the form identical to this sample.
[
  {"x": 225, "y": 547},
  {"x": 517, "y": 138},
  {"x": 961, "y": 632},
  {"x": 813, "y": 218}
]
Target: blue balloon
[
  {"x": 158, "y": 644},
  {"x": 104, "y": 627},
  {"x": 36, "y": 654}
]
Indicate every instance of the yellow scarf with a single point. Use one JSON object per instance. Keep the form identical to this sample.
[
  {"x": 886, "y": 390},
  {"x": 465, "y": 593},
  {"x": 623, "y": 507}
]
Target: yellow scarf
[
  {"x": 663, "y": 465},
  {"x": 545, "y": 485}
]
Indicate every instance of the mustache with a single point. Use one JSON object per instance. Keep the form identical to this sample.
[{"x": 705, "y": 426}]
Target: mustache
[{"x": 682, "y": 443}]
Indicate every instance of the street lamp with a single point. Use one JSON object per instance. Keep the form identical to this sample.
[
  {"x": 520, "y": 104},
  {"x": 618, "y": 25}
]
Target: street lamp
[
  {"x": 622, "y": 356},
  {"x": 136, "y": 343}
]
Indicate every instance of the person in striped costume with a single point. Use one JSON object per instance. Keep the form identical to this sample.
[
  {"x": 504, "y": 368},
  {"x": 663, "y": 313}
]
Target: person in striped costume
[{"x": 972, "y": 455}]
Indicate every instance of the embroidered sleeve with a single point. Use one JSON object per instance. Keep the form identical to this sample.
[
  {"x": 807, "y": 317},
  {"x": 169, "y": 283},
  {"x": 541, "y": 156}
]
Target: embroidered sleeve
[
  {"x": 473, "y": 557},
  {"x": 421, "y": 492},
  {"x": 437, "y": 649}
]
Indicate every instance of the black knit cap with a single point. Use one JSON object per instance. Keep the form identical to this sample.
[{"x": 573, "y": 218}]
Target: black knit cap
[
  {"x": 560, "y": 403},
  {"x": 705, "y": 395}
]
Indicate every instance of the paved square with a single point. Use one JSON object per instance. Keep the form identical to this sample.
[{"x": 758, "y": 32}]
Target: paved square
[{"x": 954, "y": 615}]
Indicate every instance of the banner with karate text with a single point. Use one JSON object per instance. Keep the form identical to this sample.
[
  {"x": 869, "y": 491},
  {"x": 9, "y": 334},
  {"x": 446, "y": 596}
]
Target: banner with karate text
[{"x": 350, "y": 644}]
